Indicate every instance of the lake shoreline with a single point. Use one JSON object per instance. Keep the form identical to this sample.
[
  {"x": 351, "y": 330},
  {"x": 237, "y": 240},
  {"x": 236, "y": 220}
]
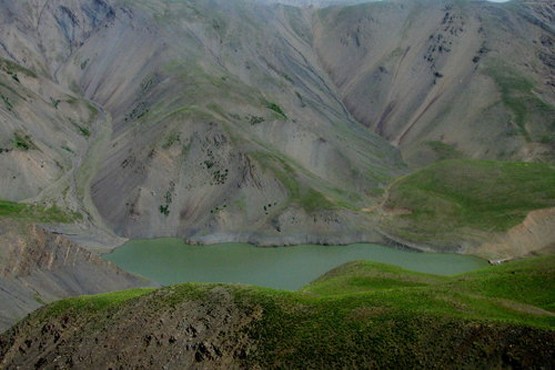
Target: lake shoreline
[{"x": 169, "y": 261}]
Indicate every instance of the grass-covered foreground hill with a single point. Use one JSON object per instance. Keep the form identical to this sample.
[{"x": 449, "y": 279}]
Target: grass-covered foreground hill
[
  {"x": 490, "y": 208},
  {"x": 361, "y": 315}
]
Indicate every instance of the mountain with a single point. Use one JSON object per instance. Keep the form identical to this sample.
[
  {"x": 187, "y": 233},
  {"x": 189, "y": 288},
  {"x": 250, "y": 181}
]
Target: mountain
[
  {"x": 316, "y": 3},
  {"x": 194, "y": 123},
  {"x": 361, "y": 315},
  {"x": 424, "y": 123},
  {"x": 241, "y": 121},
  {"x": 222, "y": 121},
  {"x": 445, "y": 79},
  {"x": 38, "y": 267}
]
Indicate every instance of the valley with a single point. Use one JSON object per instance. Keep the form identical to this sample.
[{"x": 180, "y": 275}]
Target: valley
[{"x": 184, "y": 140}]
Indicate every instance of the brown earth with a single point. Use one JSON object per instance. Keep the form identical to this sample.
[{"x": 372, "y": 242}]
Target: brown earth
[{"x": 38, "y": 267}]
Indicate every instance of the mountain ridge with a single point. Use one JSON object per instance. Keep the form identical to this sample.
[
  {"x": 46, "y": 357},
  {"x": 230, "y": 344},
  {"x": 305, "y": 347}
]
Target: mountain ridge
[{"x": 210, "y": 129}]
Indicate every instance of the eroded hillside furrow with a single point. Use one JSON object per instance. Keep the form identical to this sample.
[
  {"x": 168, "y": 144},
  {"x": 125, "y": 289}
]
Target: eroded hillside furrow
[{"x": 434, "y": 77}]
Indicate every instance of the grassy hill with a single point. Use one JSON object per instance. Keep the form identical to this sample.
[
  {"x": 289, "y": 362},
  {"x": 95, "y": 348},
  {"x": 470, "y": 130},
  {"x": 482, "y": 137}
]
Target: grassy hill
[
  {"x": 455, "y": 200},
  {"x": 362, "y": 314}
]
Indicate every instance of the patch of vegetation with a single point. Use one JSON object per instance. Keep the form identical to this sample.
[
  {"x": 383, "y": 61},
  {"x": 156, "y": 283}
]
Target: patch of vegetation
[
  {"x": 308, "y": 198},
  {"x": 517, "y": 95},
  {"x": 444, "y": 151},
  {"x": 7, "y": 103},
  {"x": 380, "y": 316},
  {"x": 22, "y": 142},
  {"x": 13, "y": 69},
  {"x": 363, "y": 276},
  {"x": 255, "y": 120},
  {"x": 84, "y": 64},
  {"x": 267, "y": 207},
  {"x": 138, "y": 112},
  {"x": 219, "y": 177},
  {"x": 277, "y": 109},
  {"x": 68, "y": 149},
  {"x": 36, "y": 213},
  {"x": 85, "y": 131},
  {"x": 313, "y": 200},
  {"x": 173, "y": 138},
  {"x": 164, "y": 209},
  {"x": 218, "y": 208},
  {"x": 168, "y": 199},
  {"x": 92, "y": 304},
  {"x": 55, "y": 102},
  {"x": 484, "y": 195}
]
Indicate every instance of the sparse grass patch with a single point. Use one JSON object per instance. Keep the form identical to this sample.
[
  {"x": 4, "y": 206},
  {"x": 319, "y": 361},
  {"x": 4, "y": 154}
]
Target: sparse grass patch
[
  {"x": 23, "y": 142},
  {"x": 313, "y": 200},
  {"x": 85, "y": 131},
  {"x": 13, "y": 69},
  {"x": 173, "y": 138},
  {"x": 277, "y": 109},
  {"x": 444, "y": 151},
  {"x": 7, "y": 103},
  {"x": 306, "y": 197},
  {"x": 517, "y": 95},
  {"x": 94, "y": 303},
  {"x": 36, "y": 213}
]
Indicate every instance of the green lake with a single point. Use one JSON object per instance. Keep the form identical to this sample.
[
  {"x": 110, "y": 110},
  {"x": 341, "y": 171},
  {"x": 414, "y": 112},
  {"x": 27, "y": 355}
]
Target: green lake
[{"x": 170, "y": 261}]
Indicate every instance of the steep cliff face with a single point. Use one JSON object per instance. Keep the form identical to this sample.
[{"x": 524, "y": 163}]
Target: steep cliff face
[
  {"x": 443, "y": 79},
  {"x": 37, "y": 267}
]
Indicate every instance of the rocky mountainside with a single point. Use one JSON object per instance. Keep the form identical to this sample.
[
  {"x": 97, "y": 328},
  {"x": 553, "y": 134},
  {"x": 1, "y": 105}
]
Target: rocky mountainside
[
  {"x": 200, "y": 124},
  {"x": 447, "y": 79},
  {"x": 38, "y": 267},
  {"x": 237, "y": 120}
]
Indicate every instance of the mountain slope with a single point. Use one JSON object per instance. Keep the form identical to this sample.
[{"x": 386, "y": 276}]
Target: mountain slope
[
  {"x": 361, "y": 315},
  {"x": 213, "y": 123},
  {"x": 38, "y": 267},
  {"x": 233, "y": 121},
  {"x": 494, "y": 209},
  {"x": 436, "y": 78}
]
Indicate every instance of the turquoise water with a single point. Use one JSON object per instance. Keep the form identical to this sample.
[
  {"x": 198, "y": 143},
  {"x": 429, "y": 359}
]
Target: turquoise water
[{"x": 170, "y": 261}]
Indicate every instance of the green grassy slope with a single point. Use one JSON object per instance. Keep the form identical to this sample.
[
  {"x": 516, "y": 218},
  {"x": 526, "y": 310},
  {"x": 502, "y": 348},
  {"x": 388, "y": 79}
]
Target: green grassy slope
[
  {"x": 364, "y": 314},
  {"x": 35, "y": 213},
  {"x": 449, "y": 197},
  {"x": 370, "y": 314}
]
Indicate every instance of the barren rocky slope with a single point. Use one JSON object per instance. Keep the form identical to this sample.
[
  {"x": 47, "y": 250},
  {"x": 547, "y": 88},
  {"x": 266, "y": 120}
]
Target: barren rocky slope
[
  {"x": 37, "y": 267},
  {"x": 207, "y": 127},
  {"x": 222, "y": 121},
  {"x": 444, "y": 78}
]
